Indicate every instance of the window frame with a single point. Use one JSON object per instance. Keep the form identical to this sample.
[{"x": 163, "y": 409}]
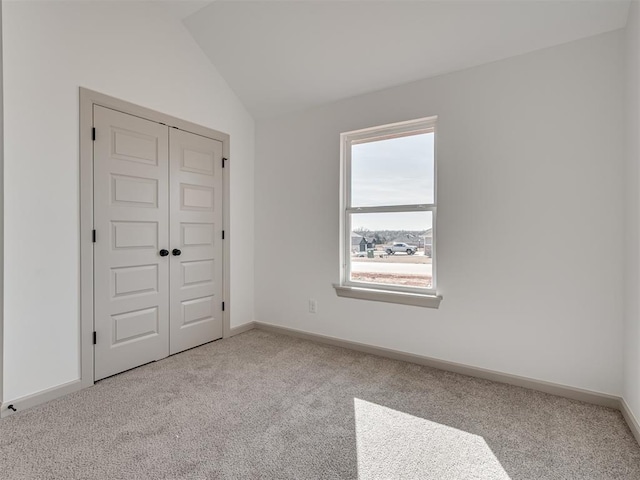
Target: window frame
[{"x": 355, "y": 289}]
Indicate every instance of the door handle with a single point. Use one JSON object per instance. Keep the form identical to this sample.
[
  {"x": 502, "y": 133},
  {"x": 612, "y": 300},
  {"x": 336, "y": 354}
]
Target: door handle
[
  {"x": 164, "y": 253},
  {"x": 176, "y": 252}
]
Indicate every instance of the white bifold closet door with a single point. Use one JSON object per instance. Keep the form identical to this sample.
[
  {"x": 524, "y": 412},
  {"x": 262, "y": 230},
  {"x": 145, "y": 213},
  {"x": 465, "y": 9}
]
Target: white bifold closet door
[{"x": 158, "y": 254}]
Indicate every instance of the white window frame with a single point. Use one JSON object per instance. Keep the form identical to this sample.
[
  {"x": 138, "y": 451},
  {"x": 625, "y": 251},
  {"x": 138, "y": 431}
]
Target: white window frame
[{"x": 426, "y": 297}]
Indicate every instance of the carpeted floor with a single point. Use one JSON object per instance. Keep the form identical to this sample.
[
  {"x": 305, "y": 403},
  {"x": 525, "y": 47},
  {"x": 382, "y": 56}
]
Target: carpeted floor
[{"x": 261, "y": 405}]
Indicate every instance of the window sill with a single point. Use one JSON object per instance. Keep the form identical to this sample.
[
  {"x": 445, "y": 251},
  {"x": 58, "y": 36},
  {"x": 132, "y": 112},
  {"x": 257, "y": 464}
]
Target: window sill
[{"x": 415, "y": 299}]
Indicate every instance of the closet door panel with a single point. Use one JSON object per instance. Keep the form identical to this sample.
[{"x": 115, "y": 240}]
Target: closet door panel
[
  {"x": 196, "y": 240},
  {"x": 131, "y": 278}
]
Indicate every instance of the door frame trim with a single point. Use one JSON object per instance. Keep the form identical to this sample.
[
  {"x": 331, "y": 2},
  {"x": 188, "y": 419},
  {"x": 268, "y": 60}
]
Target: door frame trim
[
  {"x": 2, "y": 269},
  {"x": 89, "y": 98}
]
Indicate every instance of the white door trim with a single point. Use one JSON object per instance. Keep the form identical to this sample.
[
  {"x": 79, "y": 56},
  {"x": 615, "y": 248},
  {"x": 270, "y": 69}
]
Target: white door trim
[
  {"x": 1, "y": 222},
  {"x": 88, "y": 99}
]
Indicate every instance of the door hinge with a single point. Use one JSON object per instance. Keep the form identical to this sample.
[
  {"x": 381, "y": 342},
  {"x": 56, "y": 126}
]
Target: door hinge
[
  {"x": 224, "y": 160},
  {"x": 95, "y": 338},
  {"x": 223, "y": 234},
  {"x": 93, "y": 236},
  {"x": 93, "y": 133},
  {"x": 223, "y": 306}
]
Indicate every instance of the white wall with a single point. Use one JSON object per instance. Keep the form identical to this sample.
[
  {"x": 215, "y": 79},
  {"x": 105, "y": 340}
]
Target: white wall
[
  {"x": 632, "y": 332},
  {"x": 135, "y": 51},
  {"x": 530, "y": 222}
]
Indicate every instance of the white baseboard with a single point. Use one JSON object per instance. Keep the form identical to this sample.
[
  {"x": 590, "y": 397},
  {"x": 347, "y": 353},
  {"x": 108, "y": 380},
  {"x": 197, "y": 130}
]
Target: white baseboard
[
  {"x": 241, "y": 329},
  {"x": 632, "y": 421},
  {"x": 34, "y": 399},
  {"x": 52, "y": 393},
  {"x": 587, "y": 396},
  {"x": 574, "y": 393}
]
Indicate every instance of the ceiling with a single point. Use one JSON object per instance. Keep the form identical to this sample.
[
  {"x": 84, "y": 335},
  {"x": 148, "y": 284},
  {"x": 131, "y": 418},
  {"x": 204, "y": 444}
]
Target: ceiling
[{"x": 283, "y": 56}]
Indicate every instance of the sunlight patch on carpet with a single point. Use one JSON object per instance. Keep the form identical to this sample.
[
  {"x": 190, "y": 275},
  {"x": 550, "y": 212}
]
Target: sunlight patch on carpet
[{"x": 393, "y": 444}]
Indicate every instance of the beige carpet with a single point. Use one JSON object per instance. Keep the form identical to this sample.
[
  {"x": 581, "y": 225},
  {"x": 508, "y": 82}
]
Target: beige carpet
[{"x": 261, "y": 406}]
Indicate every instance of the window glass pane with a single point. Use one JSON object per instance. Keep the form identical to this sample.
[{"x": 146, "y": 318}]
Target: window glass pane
[
  {"x": 397, "y": 171},
  {"x": 392, "y": 248}
]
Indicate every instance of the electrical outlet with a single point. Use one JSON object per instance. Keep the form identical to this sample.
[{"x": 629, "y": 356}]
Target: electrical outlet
[{"x": 313, "y": 306}]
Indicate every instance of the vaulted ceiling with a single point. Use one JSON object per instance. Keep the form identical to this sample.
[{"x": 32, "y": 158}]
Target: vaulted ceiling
[{"x": 282, "y": 56}]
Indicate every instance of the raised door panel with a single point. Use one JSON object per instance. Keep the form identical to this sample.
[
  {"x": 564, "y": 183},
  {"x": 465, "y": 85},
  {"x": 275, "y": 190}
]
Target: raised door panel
[
  {"x": 134, "y": 146},
  {"x": 197, "y": 273},
  {"x": 196, "y": 198},
  {"x": 134, "y": 326},
  {"x": 197, "y": 310},
  {"x": 134, "y": 192},
  {"x": 197, "y": 234},
  {"x": 128, "y": 235},
  {"x": 196, "y": 230},
  {"x": 197, "y": 162},
  {"x": 135, "y": 280},
  {"x": 131, "y": 279}
]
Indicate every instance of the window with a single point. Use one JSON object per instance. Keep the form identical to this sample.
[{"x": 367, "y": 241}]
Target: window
[{"x": 388, "y": 213}]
